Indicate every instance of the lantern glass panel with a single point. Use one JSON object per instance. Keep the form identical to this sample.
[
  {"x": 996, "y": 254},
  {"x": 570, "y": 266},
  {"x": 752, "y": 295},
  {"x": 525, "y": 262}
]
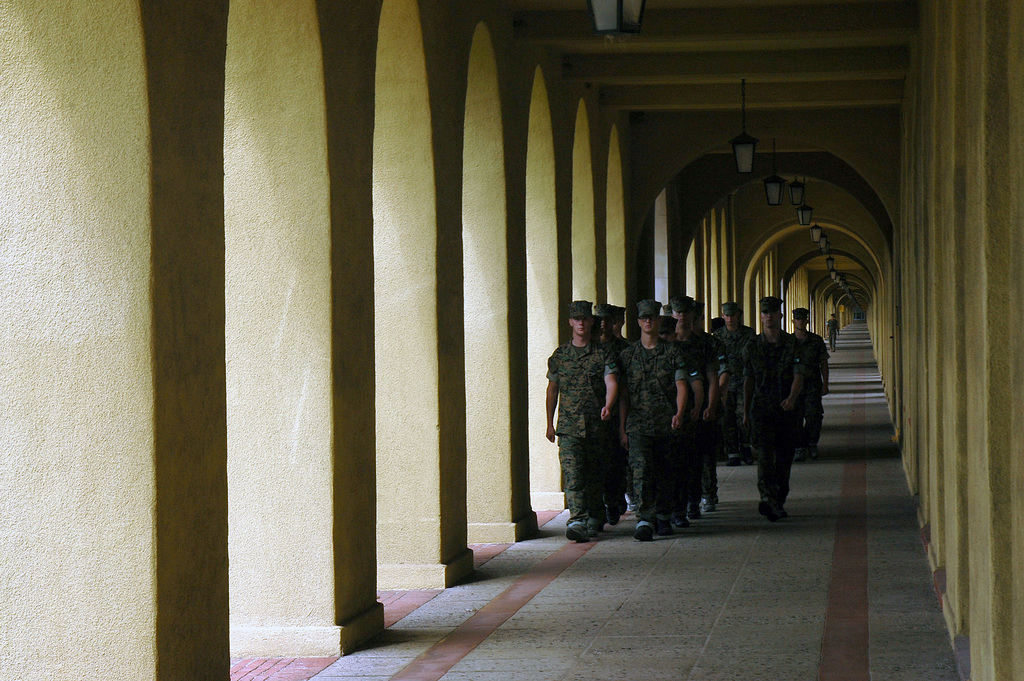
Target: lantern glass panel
[
  {"x": 605, "y": 14},
  {"x": 773, "y": 189},
  {"x": 632, "y": 15},
  {"x": 796, "y": 193},
  {"x": 743, "y": 146},
  {"x": 803, "y": 214}
]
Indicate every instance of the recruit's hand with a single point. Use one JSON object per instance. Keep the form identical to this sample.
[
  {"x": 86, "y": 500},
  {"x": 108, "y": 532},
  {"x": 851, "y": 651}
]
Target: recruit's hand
[
  {"x": 624, "y": 440},
  {"x": 695, "y": 413},
  {"x": 711, "y": 412},
  {"x": 551, "y": 433},
  {"x": 677, "y": 421},
  {"x": 788, "y": 404},
  {"x": 606, "y": 413},
  {"x": 824, "y": 390}
]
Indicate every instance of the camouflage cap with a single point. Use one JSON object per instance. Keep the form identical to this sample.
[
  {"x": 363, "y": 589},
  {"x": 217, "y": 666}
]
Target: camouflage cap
[
  {"x": 771, "y": 304},
  {"x": 731, "y": 308},
  {"x": 604, "y": 310},
  {"x": 801, "y": 313},
  {"x": 581, "y": 308},
  {"x": 648, "y": 308},
  {"x": 682, "y": 304},
  {"x": 666, "y": 310}
]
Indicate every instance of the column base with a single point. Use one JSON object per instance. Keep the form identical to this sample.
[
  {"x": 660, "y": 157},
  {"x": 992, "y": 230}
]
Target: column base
[
  {"x": 502, "y": 533},
  {"x": 547, "y": 501},
  {"x": 402, "y": 576},
  {"x": 308, "y": 641}
]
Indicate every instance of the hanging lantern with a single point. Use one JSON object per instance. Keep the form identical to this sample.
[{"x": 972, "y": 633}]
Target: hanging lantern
[
  {"x": 773, "y": 184},
  {"x": 803, "y": 214},
  {"x": 615, "y": 17},
  {"x": 743, "y": 145},
  {"x": 815, "y": 232},
  {"x": 796, "y": 193},
  {"x": 831, "y": 262}
]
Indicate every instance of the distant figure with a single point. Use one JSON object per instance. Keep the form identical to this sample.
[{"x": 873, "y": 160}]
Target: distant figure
[{"x": 832, "y": 327}]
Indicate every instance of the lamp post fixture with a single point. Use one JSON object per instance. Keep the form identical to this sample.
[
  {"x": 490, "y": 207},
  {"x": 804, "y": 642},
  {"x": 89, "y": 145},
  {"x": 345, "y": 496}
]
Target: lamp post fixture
[
  {"x": 803, "y": 214},
  {"x": 815, "y": 232},
  {"x": 831, "y": 262},
  {"x": 743, "y": 145},
  {"x": 615, "y": 17},
  {"x": 796, "y": 192},
  {"x": 824, "y": 244},
  {"x": 773, "y": 184}
]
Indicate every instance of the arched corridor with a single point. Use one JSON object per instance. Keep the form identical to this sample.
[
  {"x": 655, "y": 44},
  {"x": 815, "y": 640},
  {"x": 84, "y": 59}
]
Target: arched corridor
[
  {"x": 832, "y": 592},
  {"x": 281, "y": 278}
]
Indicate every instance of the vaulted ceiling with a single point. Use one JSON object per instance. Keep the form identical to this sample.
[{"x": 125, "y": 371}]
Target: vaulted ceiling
[
  {"x": 826, "y": 77},
  {"x": 691, "y": 54}
]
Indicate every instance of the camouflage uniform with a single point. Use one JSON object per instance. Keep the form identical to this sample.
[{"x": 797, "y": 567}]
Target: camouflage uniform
[
  {"x": 734, "y": 435},
  {"x": 582, "y": 435},
  {"x": 814, "y": 351},
  {"x": 693, "y": 438},
  {"x": 650, "y": 377},
  {"x": 708, "y": 432},
  {"x": 774, "y": 433},
  {"x": 616, "y": 456},
  {"x": 832, "y": 329}
]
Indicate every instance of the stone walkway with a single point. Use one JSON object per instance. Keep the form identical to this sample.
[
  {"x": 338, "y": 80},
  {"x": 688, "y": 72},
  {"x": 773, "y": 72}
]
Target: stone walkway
[{"x": 838, "y": 591}]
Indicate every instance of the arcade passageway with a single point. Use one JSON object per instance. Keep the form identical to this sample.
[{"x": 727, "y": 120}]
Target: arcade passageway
[
  {"x": 280, "y": 279},
  {"x": 833, "y": 592}
]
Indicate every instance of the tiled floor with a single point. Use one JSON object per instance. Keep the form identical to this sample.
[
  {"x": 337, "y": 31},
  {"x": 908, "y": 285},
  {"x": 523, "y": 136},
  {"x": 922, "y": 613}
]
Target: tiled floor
[{"x": 839, "y": 590}]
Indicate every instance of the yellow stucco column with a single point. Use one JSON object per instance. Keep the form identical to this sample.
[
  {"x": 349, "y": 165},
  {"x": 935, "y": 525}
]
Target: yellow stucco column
[
  {"x": 497, "y": 481},
  {"x": 420, "y": 387},
  {"x": 113, "y": 490},
  {"x": 542, "y": 287},
  {"x": 281, "y": 454}
]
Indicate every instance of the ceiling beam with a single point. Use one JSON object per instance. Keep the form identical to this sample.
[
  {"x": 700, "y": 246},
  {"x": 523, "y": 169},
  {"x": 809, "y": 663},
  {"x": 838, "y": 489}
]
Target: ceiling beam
[
  {"x": 857, "y": 63},
  {"x": 760, "y": 96},
  {"x": 865, "y": 24}
]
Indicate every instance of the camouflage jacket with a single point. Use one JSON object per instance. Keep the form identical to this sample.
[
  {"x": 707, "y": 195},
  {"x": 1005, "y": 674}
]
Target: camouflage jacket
[
  {"x": 772, "y": 367},
  {"x": 735, "y": 342},
  {"x": 650, "y": 377},
  {"x": 708, "y": 354},
  {"x": 814, "y": 351},
  {"x": 579, "y": 373}
]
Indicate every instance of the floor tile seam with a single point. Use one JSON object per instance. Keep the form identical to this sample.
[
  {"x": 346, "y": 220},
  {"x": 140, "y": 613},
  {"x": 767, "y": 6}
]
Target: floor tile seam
[{"x": 725, "y": 603}]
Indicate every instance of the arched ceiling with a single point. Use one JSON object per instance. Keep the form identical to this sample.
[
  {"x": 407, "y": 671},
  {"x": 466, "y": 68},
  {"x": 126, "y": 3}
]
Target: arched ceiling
[{"x": 822, "y": 76}]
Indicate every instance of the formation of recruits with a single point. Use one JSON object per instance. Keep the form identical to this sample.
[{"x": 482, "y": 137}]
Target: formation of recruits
[{"x": 640, "y": 424}]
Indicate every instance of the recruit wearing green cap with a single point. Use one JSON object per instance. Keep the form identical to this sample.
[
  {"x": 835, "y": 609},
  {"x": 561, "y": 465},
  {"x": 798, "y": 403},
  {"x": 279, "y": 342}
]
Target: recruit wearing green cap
[
  {"x": 581, "y": 308},
  {"x": 731, "y": 308},
  {"x": 604, "y": 310},
  {"x": 648, "y": 308},
  {"x": 681, "y": 304},
  {"x": 801, "y": 313},
  {"x": 771, "y": 304}
]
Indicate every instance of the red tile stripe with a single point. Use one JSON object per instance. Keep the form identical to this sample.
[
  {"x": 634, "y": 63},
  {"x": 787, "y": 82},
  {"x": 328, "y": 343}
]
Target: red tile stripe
[
  {"x": 279, "y": 668},
  {"x": 844, "y": 646},
  {"x": 436, "y": 662}
]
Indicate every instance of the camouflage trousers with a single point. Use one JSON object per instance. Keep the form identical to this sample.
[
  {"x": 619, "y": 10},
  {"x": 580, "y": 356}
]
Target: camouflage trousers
[
  {"x": 774, "y": 435},
  {"x": 615, "y": 474},
  {"x": 688, "y": 466},
  {"x": 651, "y": 459},
  {"x": 708, "y": 444},
  {"x": 812, "y": 413},
  {"x": 734, "y": 435},
  {"x": 582, "y": 462}
]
